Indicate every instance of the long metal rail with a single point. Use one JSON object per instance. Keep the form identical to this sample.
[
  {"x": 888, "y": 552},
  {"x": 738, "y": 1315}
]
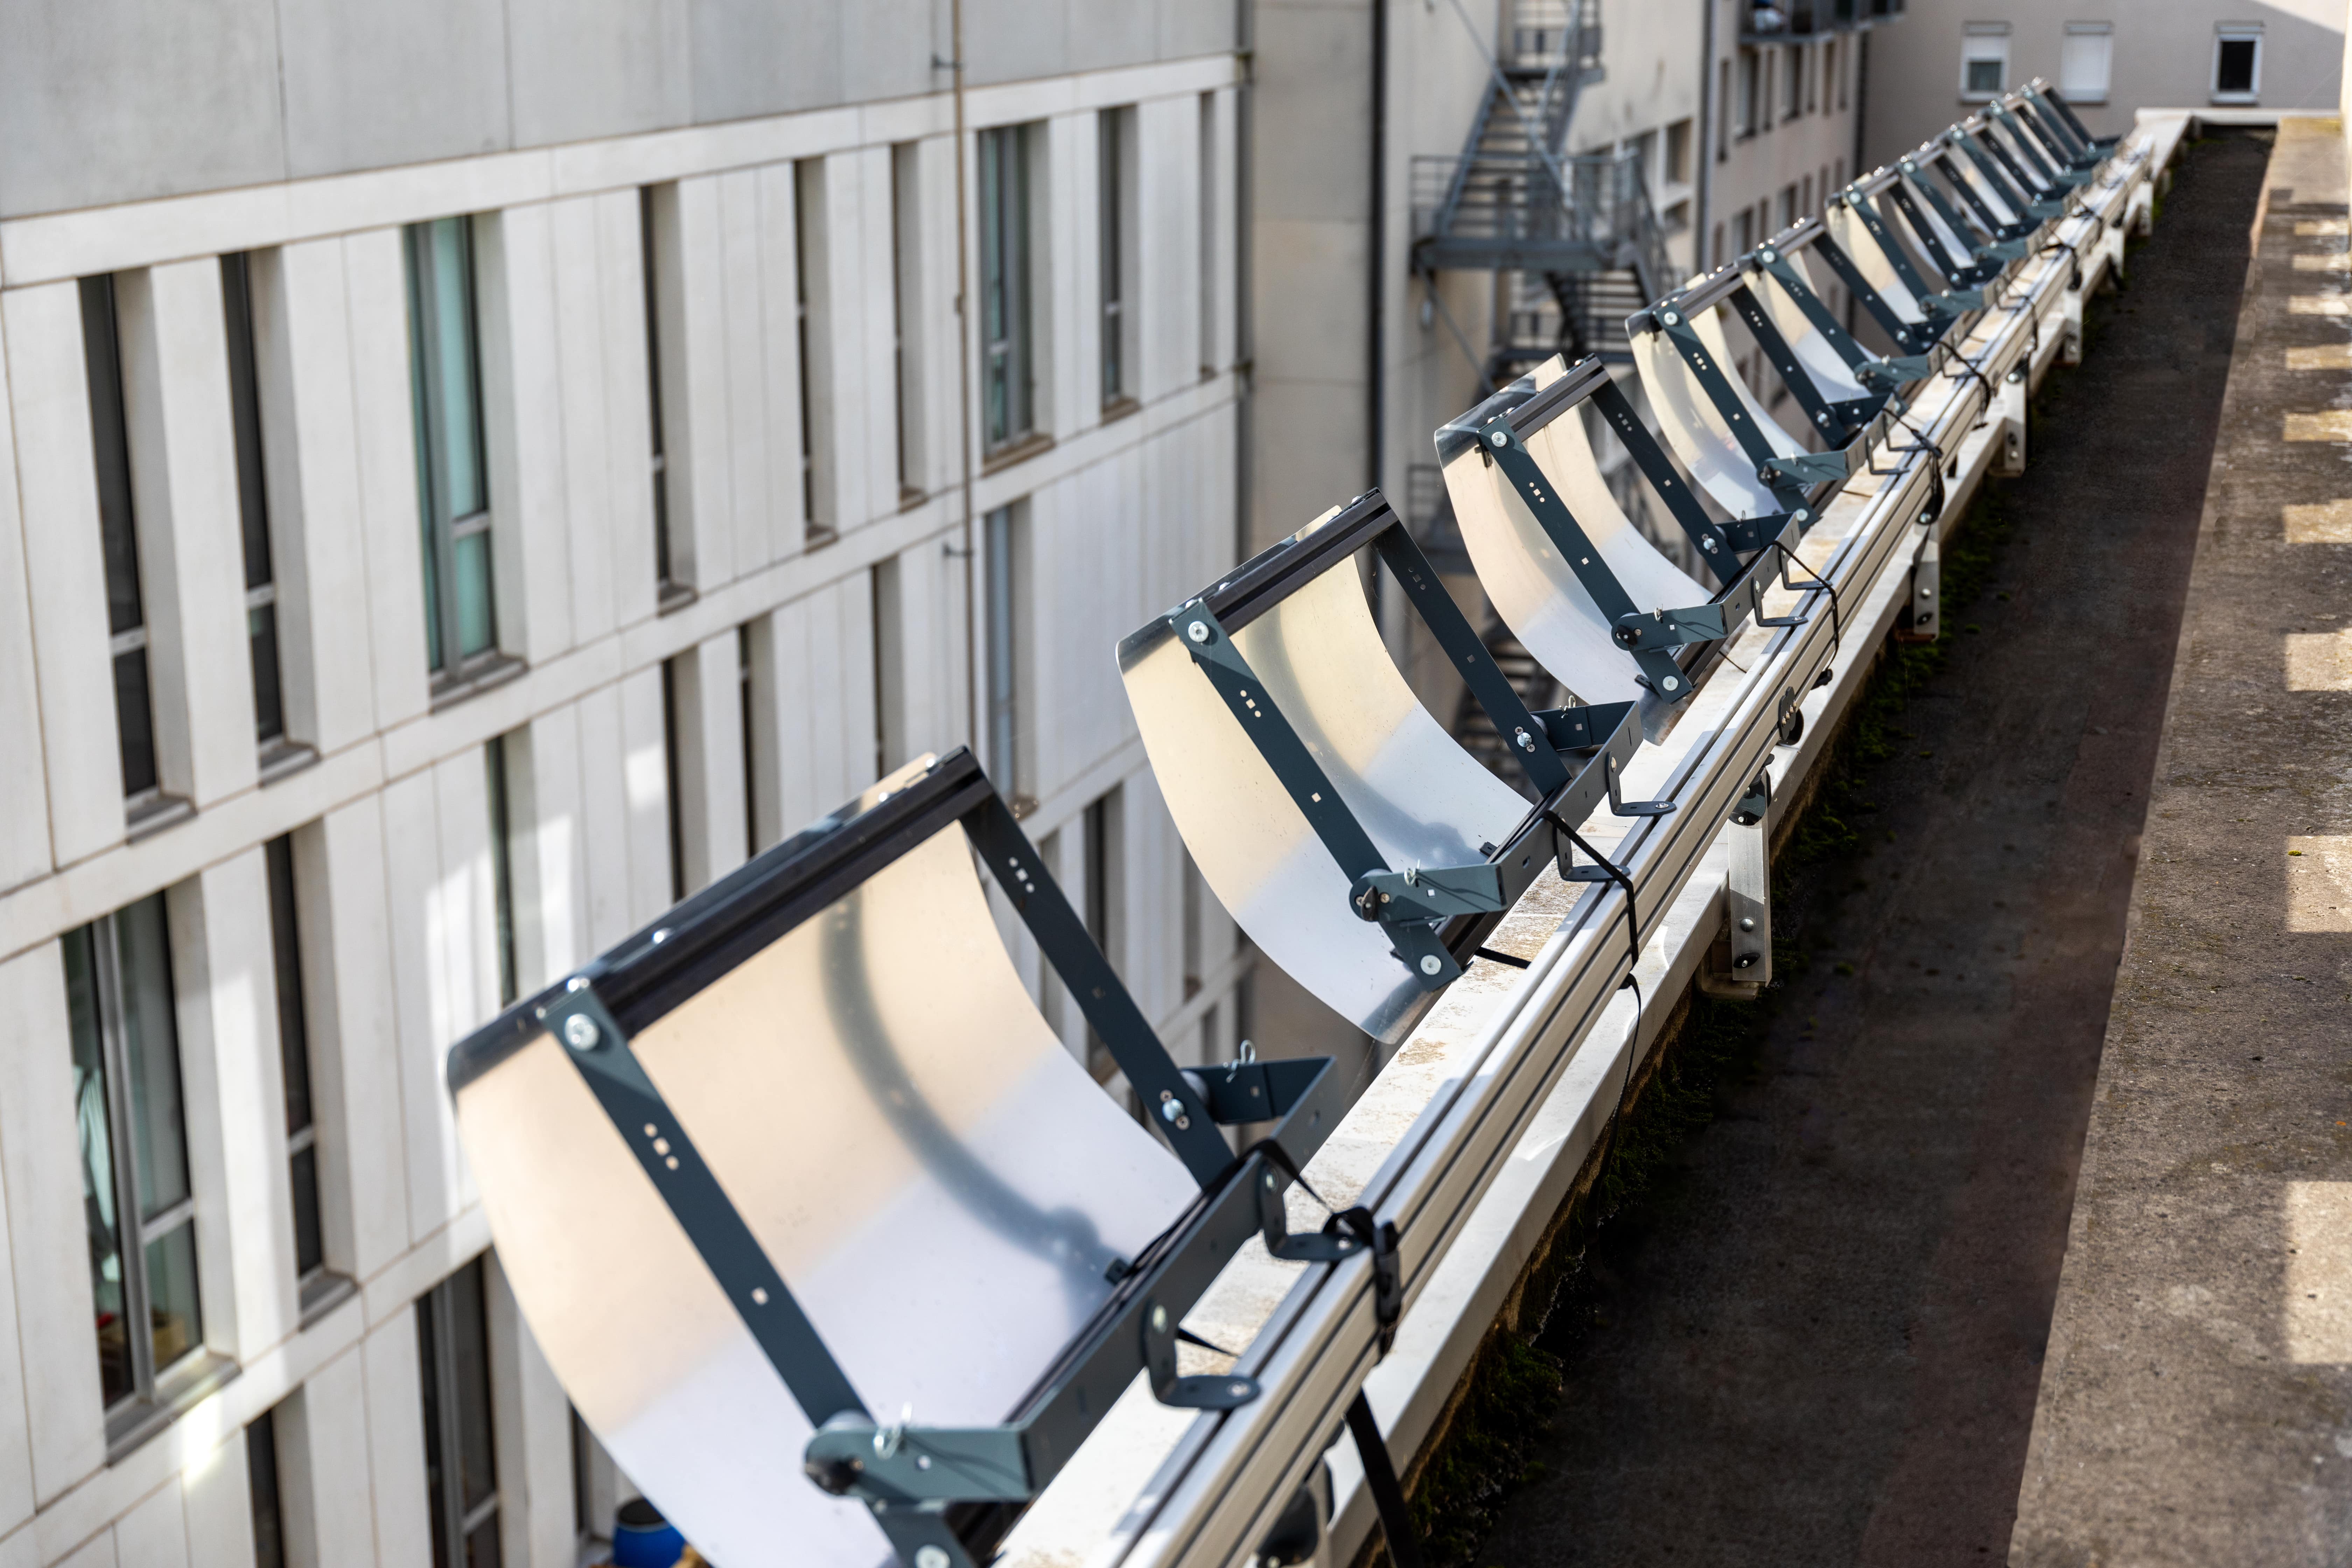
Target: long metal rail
[{"x": 1220, "y": 1486}]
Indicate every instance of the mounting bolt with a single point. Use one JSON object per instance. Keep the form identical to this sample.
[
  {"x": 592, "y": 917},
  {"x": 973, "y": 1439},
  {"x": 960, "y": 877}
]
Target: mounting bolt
[
  {"x": 1198, "y": 631},
  {"x": 1499, "y": 438},
  {"x": 931, "y": 1557},
  {"x": 1159, "y": 1319},
  {"x": 1430, "y": 965},
  {"x": 1171, "y": 1109},
  {"x": 1669, "y": 318},
  {"x": 1526, "y": 741},
  {"x": 1747, "y": 925},
  {"x": 579, "y": 1032},
  {"x": 1800, "y": 515},
  {"x": 1672, "y": 683}
]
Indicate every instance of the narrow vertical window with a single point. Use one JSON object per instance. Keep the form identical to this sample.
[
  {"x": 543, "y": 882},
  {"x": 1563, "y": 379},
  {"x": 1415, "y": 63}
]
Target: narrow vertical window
[
  {"x": 673, "y": 775},
  {"x": 1209, "y": 203},
  {"x": 1008, "y": 400},
  {"x": 253, "y": 505},
  {"x": 452, "y": 475},
  {"x": 2237, "y": 62},
  {"x": 262, "y": 1491},
  {"x": 810, "y": 294},
  {"x": 461, "y": 1472},
  {"x": 745, "y": 697},
  {"x": 665, "y": 564},
  {"x": 1105, "y": 897},
  {"x": 1007, "y": 677},
  {"x": 891, "y": 747},
  {"x": 126, "y": 614},
  {"x": 1191, "y": 933},
  {"x": 502, "y": 888},
  {"x": 138, "y": 1211},
  {"x": 294, "y": 1055},
  {"x": 1112, "y": 218},
  {"x": 906, "y": 293}
]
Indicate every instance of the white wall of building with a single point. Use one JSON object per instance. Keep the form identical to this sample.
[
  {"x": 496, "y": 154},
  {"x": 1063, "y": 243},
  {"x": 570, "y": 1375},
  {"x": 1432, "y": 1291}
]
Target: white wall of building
[{"x": 391, "y": 822}]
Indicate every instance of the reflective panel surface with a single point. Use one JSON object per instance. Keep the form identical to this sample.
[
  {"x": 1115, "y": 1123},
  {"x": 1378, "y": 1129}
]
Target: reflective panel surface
[
  {"x": 1848, "y": 234},
  {"x": 1536, "y": 592},
  {"x": 936, "y": 1179},
  {"x": 1815, "y": 353},
  {"x": 1696, "y": 428},
  {"x": 1424, "y": 801}
]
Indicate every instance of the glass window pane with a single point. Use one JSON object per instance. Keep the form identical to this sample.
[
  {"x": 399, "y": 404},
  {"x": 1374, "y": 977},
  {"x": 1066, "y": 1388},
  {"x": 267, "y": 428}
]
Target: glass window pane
[
  {"x": 134, "y": 720},
  {"x": 261, "y": 1483},
  {"x": 469, "y": 1373},
  {"x": 482, "y": 1545},
  {"x": 476, "y": 628},
  {"x": 95, "y": 1134},
  {"x": 286, "y": 957},
  {"x": 110, "y": 453},
  {"x": 152, "y": 1051},
  {"x": 244, "y": 408},
  {"x": 459, "y": 426},
  {"x": 172, "y": 1313},
  {"x": 269, "y": 705},
  {"x": 428, "y": 1372},
  {"x": 309, "y": 1243}
]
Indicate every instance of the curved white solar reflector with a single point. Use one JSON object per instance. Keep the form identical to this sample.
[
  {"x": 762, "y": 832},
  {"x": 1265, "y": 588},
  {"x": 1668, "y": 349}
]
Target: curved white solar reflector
[
  {"x": 1816, "y": 350},
  {"x": 1848, "y": 231},
  {"x": 807, "y": 1155},
  {"x": 1354, "y": 840},
  {"x": 1534, "y": 588}
]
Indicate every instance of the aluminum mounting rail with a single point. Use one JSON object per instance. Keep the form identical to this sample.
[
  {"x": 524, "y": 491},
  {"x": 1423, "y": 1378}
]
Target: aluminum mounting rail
[{"x": 1226, "y": 1477}]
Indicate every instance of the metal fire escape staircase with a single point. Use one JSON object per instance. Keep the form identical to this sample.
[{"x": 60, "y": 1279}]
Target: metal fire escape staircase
[{"x": 1573, "y": 239}]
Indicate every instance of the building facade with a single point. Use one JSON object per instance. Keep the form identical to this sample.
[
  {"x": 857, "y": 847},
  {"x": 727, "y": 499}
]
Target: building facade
[
  {"x": 465, "y": 482},
  {"x": 2109, "y": 59}
]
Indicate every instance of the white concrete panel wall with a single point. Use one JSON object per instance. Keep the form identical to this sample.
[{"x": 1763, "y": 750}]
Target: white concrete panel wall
[
  {"x": 522, "y": 419},
  {"x": 191, "y": 563},
  {"x": 48, "y": 393},
  {"x": 531, "y": 1424},
  {"x": 306, "y": 357},
  {"x": 24, "y": 792},
  {"x": 376, "y": 300},
  {"x": 40, "y": 1160},
  {"x": 390, "y": 827}
]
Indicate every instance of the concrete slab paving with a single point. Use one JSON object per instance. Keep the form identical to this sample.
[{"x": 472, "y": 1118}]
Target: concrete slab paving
[
  {"x": 1820, "y": 1340},
  {"x": 2196, "y": 1406}
]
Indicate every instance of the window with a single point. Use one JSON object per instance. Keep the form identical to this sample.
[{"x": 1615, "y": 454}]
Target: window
[
  {"x": 1208, "y": 236},
  {"x": 1723, "y": 112},
  {"x": 453, "y": 479},
  {"x": 2237, "y": 62},
  {"x": 1008, "y": 387},
  {"x": 1005, "y": 577},
  {"x": 1716, "y": 252},
  {"x": 138, "y": 1210},
  {"x": 1112, "y": 136},
  {"x": 262, "y": 1491},
  {"x": 666, "y": 583},
  {"x": 461, "y": 1469},
  {"x": 1105, "y": 889},
  {"x": 1743, "y": 231},
  {"x": 1830, "y": 81},
  {"x": 1793, "y": 81},
  {"x": 311, "y": 1274},
  {"x": 1744, "y": 112},
  {"x": 673, "y": 768},
  {"x": 1677, "y": 218},
  {"x": 1191, "y": 916},
  {"x": 253, "y": 507},
  {"x": 811, "y": 294},
  {"x": 502, "y": 888},
  {"x": 1984, "y": 61},
  {"x": 889, "y": 667},
  {"x": 1678, "y": 152},
  {"x": 1644, "y": 150},
  {"x": 906, "y": 291},
  {"x": 1788, "y": 208},
  {"x": 747, "y": 688},
  {"x": 126, "y": 617},
  {"x": 2086, "y": 59}
]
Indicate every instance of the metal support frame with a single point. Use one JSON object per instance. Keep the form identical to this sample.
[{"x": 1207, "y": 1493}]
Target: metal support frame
[
  {"x": 1842, "y": 423},
  {"x": 1435, "y": 915},
  {"x": 1918, "y": 339},
  {"x": 1992, "y": 250},
  {"x": 1740, "y": 965},
  {"x": 1951, "y": 303},
  {"x": 1975, "y": 142},
  {"x": 938, "y": 1494},
  {"x": 1886, "y": 376}
]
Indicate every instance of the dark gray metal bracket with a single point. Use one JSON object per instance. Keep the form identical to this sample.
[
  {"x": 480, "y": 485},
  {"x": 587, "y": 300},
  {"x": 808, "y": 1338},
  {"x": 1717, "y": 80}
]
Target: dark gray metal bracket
[
  {"x": 1919, "y": 338},
  {"x": 1953, "y": 302},
  {"x": 2055, "y": 102},
  {"x": 1840, "y": 421},
  {"x": 2000, "y": 171},
  {"x": 2019, "y": 229},
  {"x": 1883, "y": 376},
  {"x": 1990, "y": 254},
  {"x": 1787, "y": 476},
  {"x": 1303, "y": 778}
]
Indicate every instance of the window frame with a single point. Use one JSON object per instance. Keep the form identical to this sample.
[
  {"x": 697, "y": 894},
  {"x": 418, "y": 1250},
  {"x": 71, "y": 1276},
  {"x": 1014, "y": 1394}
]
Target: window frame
[
  {"x": 1977, "y": 47},
  {"x": 2227, "y": 33},
  {"x": 129, "y": 643},
  {"x": 440, "y": 1392},
  {"x": 264, "y": 639},
  {"x": 157, "y": 1393},
  {"x": 1005, "y": 594},
  {"x": 2106, "y": 32},
  {"x": 445, "y": 532},
  {"x": 1007, "y": 319}
]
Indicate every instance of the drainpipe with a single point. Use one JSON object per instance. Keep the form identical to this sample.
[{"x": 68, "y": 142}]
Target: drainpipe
[
  {"x": 1707, "y": 132},
  {"x": 963, "y": 400},
  {"x": 1375, "y": 314},
  {"x": 1244, "y": 313}
]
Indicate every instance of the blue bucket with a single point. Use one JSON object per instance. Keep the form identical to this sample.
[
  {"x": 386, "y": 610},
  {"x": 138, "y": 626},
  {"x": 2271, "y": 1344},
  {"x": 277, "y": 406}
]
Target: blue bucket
[{"x": 642, "y": 1538}]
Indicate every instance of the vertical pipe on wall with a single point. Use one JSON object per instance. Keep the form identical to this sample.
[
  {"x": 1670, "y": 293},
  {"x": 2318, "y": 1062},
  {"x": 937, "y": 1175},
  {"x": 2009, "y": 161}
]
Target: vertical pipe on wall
[
  {"x": 964, "y": 329},
  {"x": 1704, "y": 148},
  {"x": 1245, "y": 347},
  {"x": 1375, "y": 388}
]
